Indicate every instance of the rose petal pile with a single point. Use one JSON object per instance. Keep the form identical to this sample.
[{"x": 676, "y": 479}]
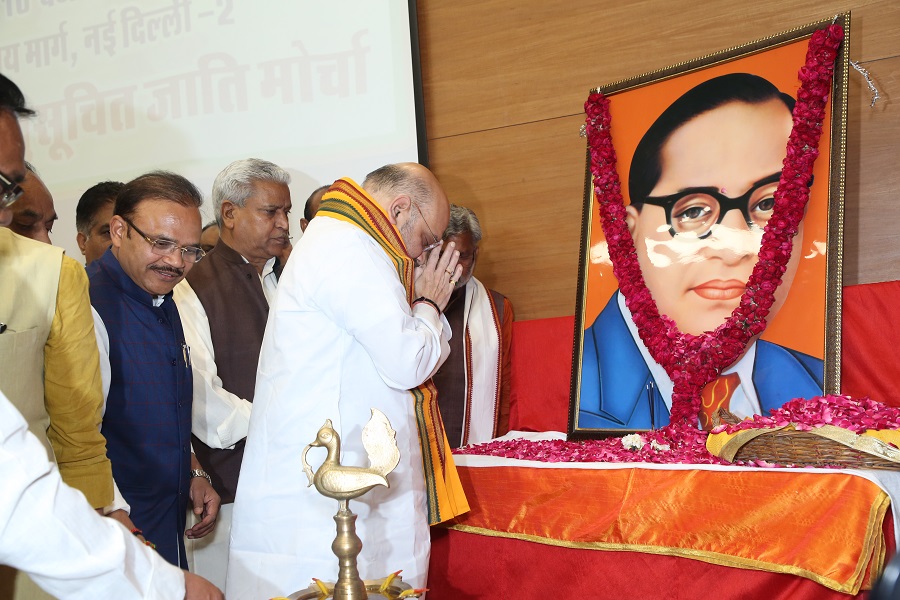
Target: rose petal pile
[
  {"x": 668, "y": 445},
  {"x": 677, "y": 444},
  {"x": 856, "y": 415}
]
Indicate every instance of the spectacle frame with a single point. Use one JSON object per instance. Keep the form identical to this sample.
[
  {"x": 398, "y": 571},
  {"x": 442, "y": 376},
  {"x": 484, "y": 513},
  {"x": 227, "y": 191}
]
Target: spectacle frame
[
  {"x": 160, "y": 247},
  {"x": 696, "y": 210},
  {"x": 10, "y": 191}
]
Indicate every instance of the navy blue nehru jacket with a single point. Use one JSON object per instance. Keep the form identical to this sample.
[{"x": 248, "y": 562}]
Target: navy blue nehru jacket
[{"x": 147, "y": 424}]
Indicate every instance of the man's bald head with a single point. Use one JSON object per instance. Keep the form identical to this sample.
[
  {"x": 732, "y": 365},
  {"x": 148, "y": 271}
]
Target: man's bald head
[
  {"x": 411, "y": 179},
  {"x": 414, "y": 201}
]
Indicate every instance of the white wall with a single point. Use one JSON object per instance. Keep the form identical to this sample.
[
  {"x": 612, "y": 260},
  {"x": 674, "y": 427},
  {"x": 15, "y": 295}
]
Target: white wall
[{"x": 323, "y": 89}]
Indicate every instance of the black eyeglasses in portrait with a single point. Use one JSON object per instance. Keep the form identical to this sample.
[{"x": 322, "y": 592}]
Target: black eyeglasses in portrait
[{"x": 694, "y": 211}]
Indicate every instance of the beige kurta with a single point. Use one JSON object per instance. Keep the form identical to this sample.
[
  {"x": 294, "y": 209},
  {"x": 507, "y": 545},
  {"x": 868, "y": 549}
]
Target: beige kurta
[{"x": 50, "y": 368}]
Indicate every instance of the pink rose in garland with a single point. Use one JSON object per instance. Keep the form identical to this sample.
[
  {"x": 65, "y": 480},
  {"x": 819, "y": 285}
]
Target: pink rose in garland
[{"x": 711, "y": 188}]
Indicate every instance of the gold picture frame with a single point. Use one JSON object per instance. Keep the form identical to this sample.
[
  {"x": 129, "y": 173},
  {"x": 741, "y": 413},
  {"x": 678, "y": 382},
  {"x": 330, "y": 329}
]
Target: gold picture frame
[{"x": 618, "y": 390}]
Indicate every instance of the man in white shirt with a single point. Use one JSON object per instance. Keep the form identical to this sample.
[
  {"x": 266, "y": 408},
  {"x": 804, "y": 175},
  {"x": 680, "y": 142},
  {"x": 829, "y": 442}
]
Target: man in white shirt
[
  {"x": 49, "y": 531},
  {"x": 474, "y": 384},
  {"x": 355, "y": 325},
  {"x": 224, "y": 303}
]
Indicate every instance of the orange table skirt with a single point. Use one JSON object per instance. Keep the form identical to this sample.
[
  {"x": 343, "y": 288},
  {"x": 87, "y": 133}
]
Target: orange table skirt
[{"x": 825, "y": 527}]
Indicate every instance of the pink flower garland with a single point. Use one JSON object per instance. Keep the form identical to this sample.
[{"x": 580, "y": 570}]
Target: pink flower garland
[{"x": 692, "y": 361}]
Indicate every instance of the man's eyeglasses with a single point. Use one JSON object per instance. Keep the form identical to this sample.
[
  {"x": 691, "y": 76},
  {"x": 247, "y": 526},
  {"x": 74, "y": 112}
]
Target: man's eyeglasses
[
  {"x": 694, "y": 211},
  {"x": 437, "y": 240},
  {"x": 10, "y": 191},
  {"x": 190, "y": 254}
]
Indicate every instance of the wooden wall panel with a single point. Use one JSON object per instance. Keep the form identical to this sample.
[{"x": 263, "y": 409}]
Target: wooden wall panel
[
  {"x": 505, "y": 81},
  {"x": 495, "y": 63},
  {"x": 525, "y": 183},
  {"x": 872, "y": 206}
]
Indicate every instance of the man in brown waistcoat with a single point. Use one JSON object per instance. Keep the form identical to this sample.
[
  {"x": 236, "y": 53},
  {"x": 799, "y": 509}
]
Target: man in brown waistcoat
[
  {"x": 224, "y": 304},
  {"x": 473, "y": 384}
]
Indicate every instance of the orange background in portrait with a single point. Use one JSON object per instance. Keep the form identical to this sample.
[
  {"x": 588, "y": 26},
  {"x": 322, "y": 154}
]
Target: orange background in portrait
[{"x": 800, "y": 324}]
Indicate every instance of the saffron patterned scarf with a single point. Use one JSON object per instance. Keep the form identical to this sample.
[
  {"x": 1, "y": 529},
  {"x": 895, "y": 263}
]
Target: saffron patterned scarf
[{"x": 346, "y": 201}]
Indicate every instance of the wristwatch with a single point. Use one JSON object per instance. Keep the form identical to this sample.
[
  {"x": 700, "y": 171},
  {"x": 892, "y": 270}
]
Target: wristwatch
[{"x": 201, "y": 473}]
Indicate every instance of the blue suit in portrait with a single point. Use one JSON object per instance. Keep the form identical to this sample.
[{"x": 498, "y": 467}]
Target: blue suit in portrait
[{"x": 618, "y": 390}]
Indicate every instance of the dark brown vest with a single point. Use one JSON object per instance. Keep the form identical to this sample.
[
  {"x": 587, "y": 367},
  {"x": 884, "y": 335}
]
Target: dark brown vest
[
  {"x": 450, "y": 380},
  {"x": 232, "y": 296}
]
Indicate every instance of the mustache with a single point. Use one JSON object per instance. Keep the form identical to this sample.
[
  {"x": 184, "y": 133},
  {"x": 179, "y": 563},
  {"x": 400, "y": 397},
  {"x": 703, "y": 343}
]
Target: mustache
[{"x": 167, "y": 269}]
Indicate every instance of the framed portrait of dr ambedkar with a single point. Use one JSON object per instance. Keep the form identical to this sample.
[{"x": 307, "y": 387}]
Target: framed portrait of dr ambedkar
[{"x": 727, "y": 235}]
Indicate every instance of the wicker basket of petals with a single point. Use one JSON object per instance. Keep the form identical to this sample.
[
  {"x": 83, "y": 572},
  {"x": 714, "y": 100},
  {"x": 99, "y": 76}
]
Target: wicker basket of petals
[{"x": 782, "y": 440}]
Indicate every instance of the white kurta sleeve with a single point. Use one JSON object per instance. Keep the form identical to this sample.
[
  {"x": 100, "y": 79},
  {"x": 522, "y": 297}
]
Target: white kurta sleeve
[
  {"x": 220, "y": 419},
  {"x": 49, "y": 531},
  {"x": 406, "y": 345},
  {"x": 118, "y": 503},
  {"x": 103, "y": 346},
  {"x": 102, "y": 336}
]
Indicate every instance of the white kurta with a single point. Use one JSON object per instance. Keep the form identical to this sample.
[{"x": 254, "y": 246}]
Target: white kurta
[
  {"x": 340, "y": 339},
  {"x": 483, "y": 331},
  {"x": 49, "y": 531},
  {"x": 102, "y": 336},
  {"x": 219, "y": 418}
]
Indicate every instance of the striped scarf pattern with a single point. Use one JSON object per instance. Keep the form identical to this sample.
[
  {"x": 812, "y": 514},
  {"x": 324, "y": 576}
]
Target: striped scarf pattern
[{"x": 347, "y": 201}]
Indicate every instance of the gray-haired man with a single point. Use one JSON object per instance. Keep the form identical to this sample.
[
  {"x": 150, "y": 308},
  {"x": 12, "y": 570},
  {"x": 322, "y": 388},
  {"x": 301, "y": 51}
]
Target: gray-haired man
[
  {"x": 473, "y": 384},
  {"x": 224, "y": 304}
]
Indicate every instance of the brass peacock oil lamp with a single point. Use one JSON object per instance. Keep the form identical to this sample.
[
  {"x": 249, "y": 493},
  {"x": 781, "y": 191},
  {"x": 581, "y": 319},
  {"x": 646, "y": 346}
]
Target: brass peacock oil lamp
[{"x": 343, "y": 483}]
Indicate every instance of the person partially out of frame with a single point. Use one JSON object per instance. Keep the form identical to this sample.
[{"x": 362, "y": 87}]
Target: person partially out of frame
[{"x": 701, "y": 186}]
